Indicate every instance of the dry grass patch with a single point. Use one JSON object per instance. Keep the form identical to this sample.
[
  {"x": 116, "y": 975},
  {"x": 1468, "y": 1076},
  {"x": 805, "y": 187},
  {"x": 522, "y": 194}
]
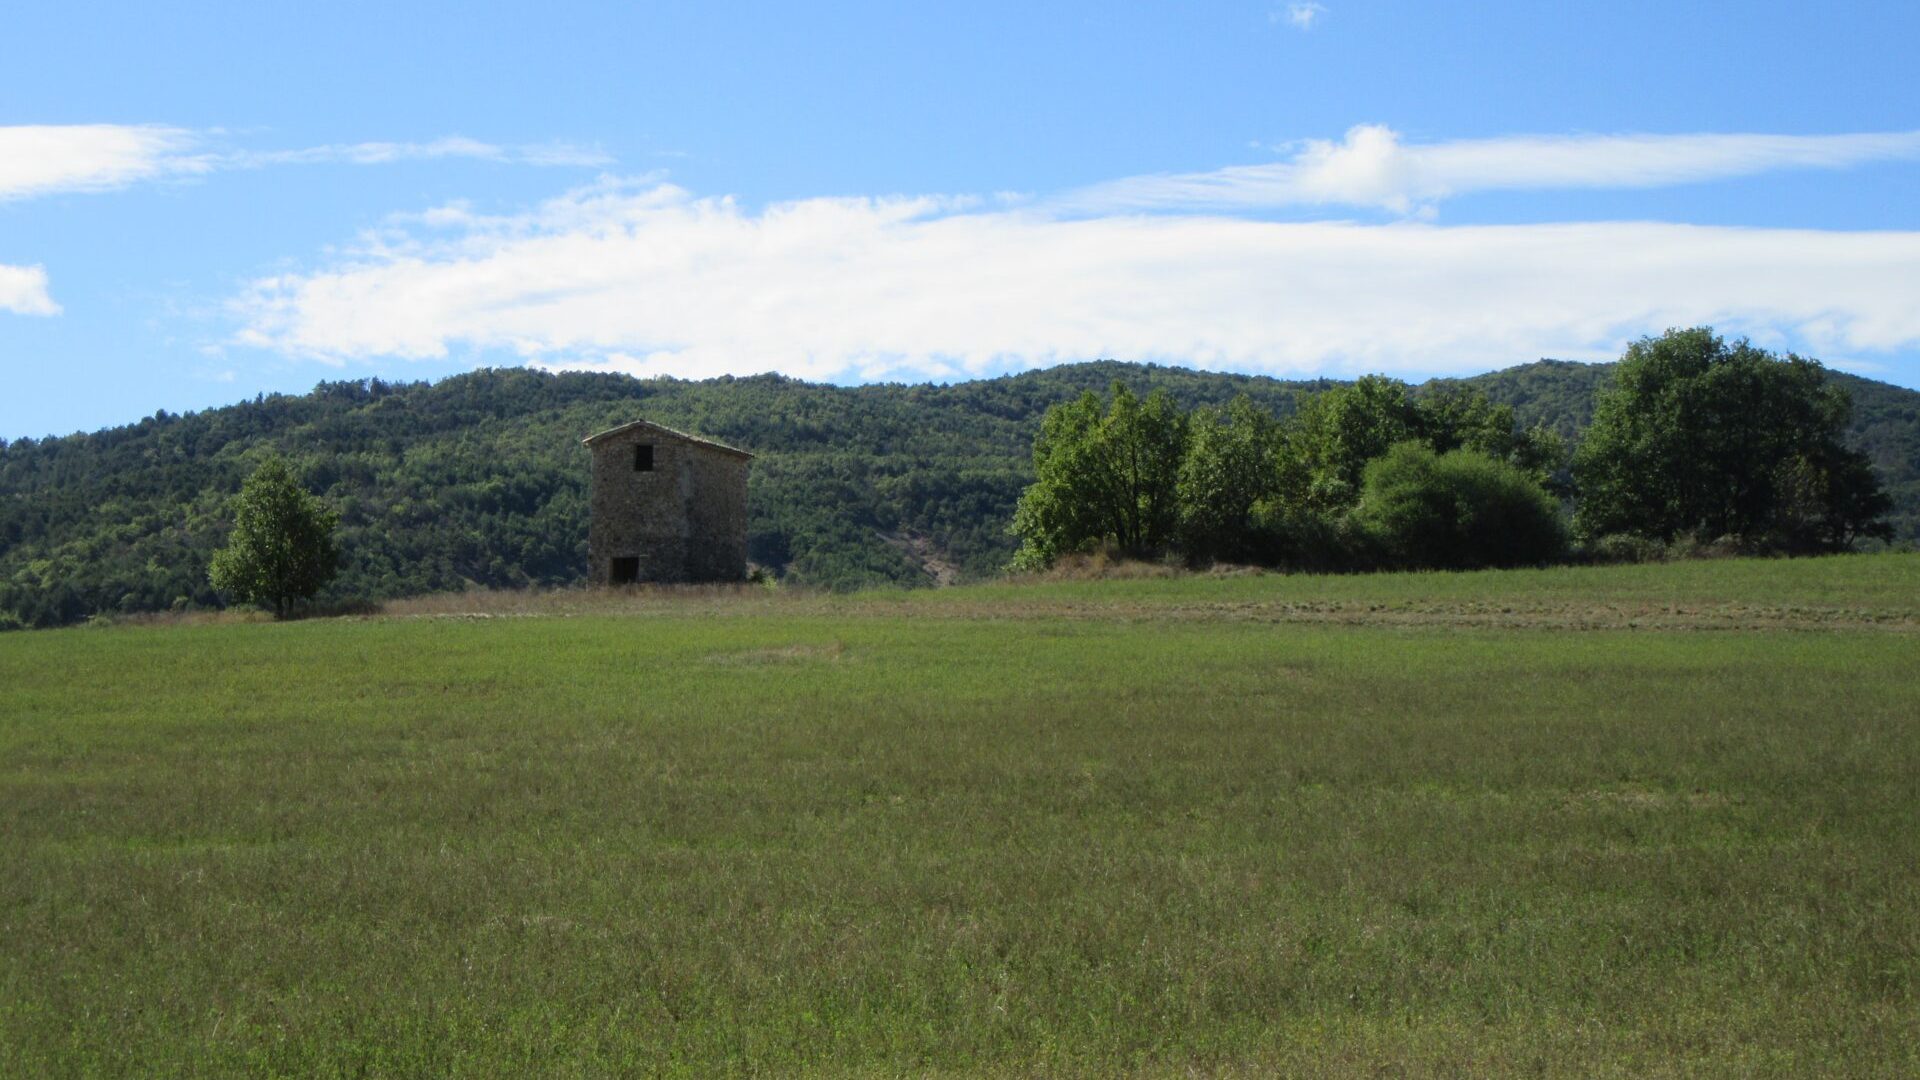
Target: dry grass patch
[{"x": 830, "y": 653}]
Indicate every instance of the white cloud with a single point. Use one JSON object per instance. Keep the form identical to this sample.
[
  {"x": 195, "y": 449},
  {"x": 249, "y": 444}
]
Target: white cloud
[
  {"x": 40, "y": 159},
  {"x": 455, "y": 146},
  {"x": 44, "y": 159},
  {"x": 23, "y": 291},
  {"x": 1373, "y": 167},
  {"x": 1301, "y": 16},
  {"x": 651, "y": 280}
]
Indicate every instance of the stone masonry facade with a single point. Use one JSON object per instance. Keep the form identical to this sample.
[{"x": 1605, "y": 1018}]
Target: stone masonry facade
[{"x": 666, "y": 507}]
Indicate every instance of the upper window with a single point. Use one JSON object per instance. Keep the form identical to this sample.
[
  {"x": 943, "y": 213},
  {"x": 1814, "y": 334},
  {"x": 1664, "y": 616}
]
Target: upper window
[{"x": 643, "y": 457}]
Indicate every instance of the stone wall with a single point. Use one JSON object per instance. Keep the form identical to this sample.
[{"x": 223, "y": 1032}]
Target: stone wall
[{"x": 685, "y": 520}]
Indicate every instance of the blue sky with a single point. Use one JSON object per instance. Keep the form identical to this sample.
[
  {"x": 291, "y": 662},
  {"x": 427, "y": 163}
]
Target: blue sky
[{"x": 200, "y": 202}]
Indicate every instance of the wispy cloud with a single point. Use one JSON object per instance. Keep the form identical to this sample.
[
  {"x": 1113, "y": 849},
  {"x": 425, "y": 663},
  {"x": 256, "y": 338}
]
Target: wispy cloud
[
  {"x": 1299, "y": 16},
  {"x": 1373, "y": 167},
  {"x": 46, "y": 159},
  {"x": 23, "y": 291},
  {"x": 649, "y": 279},
  {"x": 386, "y": 153},
  {"x": 37, "y": 159}
]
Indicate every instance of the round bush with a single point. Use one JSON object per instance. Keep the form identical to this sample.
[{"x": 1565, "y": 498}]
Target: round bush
[{"x": 1457, "y": 511}]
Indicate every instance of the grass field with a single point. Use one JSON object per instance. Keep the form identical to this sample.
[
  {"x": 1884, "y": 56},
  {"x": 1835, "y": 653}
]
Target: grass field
[{"x": 1625, "y": 821}]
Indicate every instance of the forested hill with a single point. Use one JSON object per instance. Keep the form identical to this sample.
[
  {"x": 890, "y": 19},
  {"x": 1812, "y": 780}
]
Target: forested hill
[{"x": 481, "y": 479}]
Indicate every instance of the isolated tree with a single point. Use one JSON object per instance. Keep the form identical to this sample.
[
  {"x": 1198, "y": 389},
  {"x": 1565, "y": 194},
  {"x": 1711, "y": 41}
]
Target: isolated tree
[
  {"x": 1103, "y": 476},
  {"x": 281, "y": 550},
  {"x": 1457, "y": 511},
  {"x": 1702, "y": 437}
]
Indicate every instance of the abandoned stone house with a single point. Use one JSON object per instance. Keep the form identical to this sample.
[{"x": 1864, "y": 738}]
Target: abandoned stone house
[{"x": 666, "y": 507}]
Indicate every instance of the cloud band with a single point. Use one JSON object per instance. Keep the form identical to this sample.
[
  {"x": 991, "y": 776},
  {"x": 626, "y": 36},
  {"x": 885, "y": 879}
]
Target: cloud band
[
  {"x": 653, "y": 281},
  {"x": 37, "y": 160},
  {"x": 1373, "y": 167}
]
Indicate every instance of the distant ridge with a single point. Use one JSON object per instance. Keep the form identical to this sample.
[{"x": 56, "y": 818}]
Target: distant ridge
[{"x": 479, "y": 479}]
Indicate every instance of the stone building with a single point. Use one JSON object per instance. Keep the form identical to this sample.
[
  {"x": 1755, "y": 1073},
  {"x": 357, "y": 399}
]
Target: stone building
[{"x": 666, "y": 507}]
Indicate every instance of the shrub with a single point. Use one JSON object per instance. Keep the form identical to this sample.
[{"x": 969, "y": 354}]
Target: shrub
[
  {"x": 1626, "y": 548},
  {"x": 1314, "y": 542},
  {"x": 1456, "y": 511}
]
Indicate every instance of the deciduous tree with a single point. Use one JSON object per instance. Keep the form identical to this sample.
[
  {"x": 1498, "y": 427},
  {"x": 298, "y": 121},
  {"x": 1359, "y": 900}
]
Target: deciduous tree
[
  {"x": 1228, "y": 470},
  {"x": 1325, "y": 447},
  {"x": 1103, "y": 476},
  {"x": 1698, "y": 436},
  {"x": 281, "y": 550}
]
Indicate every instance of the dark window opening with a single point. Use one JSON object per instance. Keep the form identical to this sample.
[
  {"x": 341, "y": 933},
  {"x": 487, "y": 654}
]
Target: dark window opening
[
  {"x": 626, "y": 570},
  {"x": 643, "y": 458}
]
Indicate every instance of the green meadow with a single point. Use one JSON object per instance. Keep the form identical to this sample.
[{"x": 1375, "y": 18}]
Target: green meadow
[{"x": 1632, "y": 821}]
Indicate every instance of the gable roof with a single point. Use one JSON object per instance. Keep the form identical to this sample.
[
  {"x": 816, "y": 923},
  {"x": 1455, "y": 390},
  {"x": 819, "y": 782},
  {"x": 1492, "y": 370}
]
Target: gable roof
[{"x": 648, "y": 425}]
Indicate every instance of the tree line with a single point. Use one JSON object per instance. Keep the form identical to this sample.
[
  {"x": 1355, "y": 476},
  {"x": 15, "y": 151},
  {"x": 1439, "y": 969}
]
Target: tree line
[
  {"x": 1695, "y": 441},
  {"x": 479, "y": 478}
]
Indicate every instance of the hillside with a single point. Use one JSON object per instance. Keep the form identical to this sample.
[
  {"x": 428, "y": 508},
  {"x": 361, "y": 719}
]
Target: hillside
[{"x": 479, "y": 479}]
